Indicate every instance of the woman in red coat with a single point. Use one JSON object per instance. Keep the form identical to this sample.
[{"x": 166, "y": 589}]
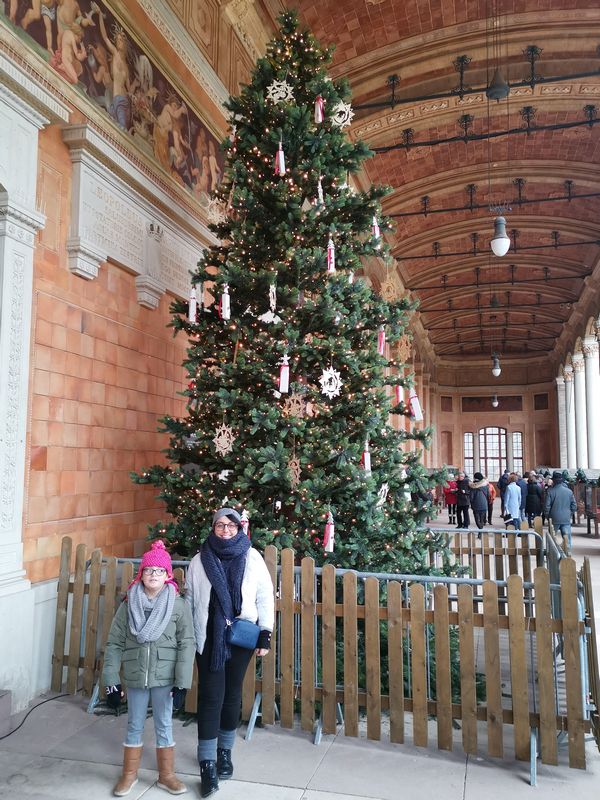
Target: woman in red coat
[{"x": 450, "y": 498}]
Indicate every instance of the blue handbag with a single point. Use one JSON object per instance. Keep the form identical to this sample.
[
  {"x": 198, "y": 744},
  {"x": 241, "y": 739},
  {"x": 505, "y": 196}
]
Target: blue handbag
[{"x": 242, "y": 633}]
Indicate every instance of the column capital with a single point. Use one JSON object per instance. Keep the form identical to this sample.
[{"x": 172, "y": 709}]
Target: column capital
[
  {"x": 590, "y": 347},
  {"x": 578, "y": 362},
  {"x": 19, "y": 223},
  {"x": 568, "y": 373},
  {"x": 560, "y": 380}
]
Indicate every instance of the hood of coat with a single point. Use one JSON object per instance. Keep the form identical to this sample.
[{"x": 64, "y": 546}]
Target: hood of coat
[{"x": 479, "y": 484}]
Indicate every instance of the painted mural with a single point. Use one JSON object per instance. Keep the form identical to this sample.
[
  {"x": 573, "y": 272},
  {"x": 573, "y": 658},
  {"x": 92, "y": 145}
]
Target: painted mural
[{"x": 85, "y": 43}]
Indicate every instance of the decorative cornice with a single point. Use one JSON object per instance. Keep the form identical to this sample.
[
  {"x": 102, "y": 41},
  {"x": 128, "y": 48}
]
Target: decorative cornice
[
  {"x": 27, "y": 92},
  {"x": 84, "y": 258},
  {"x": 149, "y": 291},
  {"x": 185, "y": 47},
  {"x": 19, "y": 222}
]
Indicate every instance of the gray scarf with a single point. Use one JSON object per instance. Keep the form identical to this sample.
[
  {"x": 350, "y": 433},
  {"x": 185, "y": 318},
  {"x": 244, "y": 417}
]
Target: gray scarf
[{"x": 148, "y": 617}]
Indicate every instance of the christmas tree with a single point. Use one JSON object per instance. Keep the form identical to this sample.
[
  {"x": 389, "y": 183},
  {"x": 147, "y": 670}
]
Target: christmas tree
[{"x": 292, "y": 396}]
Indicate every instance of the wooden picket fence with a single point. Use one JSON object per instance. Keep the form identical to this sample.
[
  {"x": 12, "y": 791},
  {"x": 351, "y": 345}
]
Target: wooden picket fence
[{"x": 488, "y": 654}]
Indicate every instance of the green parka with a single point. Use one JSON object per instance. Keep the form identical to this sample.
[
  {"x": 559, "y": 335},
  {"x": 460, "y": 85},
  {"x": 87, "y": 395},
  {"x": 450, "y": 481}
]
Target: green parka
[{"x": 166, "y": 662}]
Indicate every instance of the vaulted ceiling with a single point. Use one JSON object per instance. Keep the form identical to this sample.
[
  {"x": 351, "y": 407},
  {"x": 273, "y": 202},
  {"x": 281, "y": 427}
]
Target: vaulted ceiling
[{"x": 441, "y": 145}]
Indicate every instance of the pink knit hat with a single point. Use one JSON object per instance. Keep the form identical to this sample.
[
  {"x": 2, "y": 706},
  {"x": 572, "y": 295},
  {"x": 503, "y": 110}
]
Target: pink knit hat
[{"x": 157, "y": 556}]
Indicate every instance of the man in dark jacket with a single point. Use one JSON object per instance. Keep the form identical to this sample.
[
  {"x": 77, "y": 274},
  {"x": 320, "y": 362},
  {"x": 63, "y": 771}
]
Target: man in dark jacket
[
  {"x": 559, "y": 505},
  {"x": 463, "y": 494},
  {"x": 479, "y": 499},
  {"x": 502, "y": 484},
  {"x": 522, "y": 483}
]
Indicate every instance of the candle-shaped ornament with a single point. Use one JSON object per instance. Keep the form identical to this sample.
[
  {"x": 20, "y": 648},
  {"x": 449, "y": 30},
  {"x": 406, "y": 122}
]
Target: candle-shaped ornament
[
  {"x": 330, "y": 255},
  {"x": 319, "y": 109},
  {"x": 280, "y": 160},
  {"x": 192, "y": 306},
  {"x": 320, "y": 196},
  {"x": 284, "y": 375},
  {"x": 376, "y": 231},
  {"x": 224, "y": 303},
  {"x": 366, "y": 458},
  {"x": 398, "y": 393},
  {"x": 245, "y": 523},
  {"x": 381, "y": 341},
  {"x": 415, "y": 406},
  {"x": 329, "y": 538},
  {"x": 350, "y": 277}
]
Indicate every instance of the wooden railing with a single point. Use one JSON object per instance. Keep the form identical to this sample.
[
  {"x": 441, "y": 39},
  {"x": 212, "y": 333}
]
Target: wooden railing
[{"x": 478, "y": 651}]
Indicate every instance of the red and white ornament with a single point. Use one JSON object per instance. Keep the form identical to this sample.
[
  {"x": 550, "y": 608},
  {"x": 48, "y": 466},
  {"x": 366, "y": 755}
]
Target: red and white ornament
[
  {"x": 375, "y": 228},
  {"x": 415, "y": 406},
  {"x": 399, "y": 393},
  {"x": 245, "y": 523},
  {"x": 330, "y": 255},
  {"x": 284, "y": 375},
  {"x": 192, "y": 306},
  {"x": 329, "y": 537},
  {"x": 366, "y": 458},
  {"x": 381, "y": 341},
  {"x": 319, "y": 109},
  {"x": 225, "y": 303},
  {"x": 280, "y": 161}
]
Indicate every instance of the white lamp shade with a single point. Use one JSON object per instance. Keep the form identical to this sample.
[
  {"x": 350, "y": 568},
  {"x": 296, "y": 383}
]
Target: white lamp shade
[
  {"x": 496, "y": 369},
  {"x": 500, "y": 243},
  {"x": 495, "y": 401}
]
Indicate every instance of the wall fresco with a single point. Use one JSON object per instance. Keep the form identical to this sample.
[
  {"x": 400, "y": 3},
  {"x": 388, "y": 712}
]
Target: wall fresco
[{"x": 85, "y": 43}]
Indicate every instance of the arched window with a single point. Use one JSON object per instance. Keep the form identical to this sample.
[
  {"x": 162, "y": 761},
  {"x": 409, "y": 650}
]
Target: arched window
[
  {"x": 517, "y": 443},
  {"x": 492, "y": 452},
  {"x": 468, "y": 454}
]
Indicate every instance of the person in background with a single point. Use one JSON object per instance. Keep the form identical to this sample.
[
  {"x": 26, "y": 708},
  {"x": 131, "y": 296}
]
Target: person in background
[
  {"x": 522, "y": 484},
  {"x": 225, "y": 580},
  {"x": 533, "y": 499},
  {"x": 491, "y": 498},
  {"x": 450, "y": 499},
  {"x": 152, "y": 639},
  {"x": 559, "y": 505},
  {"x": 502, "y": 484},
  {"x": 512, "y": 502},
  {"x": 462, "y": 501},
  {"x": 479, "y": 497}
]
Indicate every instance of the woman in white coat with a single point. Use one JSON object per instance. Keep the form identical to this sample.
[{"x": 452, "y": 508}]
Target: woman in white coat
[
  {"x": 512, "y": 501},
  {"x": 225, "y": 580}
]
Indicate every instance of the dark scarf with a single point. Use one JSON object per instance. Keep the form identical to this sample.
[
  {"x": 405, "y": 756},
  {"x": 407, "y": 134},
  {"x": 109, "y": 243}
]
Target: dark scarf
[{"x": 224, "y": 561}]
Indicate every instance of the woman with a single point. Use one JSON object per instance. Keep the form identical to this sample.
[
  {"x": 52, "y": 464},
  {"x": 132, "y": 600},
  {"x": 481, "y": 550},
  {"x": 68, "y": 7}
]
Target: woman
[
  {"x": 533, "y": 499},
  {"x": 450, "y": 499},
  {"x": 225, "y": 580},
  {"x": 512, "y": 502},
  {"x": 152, "y": 639}
]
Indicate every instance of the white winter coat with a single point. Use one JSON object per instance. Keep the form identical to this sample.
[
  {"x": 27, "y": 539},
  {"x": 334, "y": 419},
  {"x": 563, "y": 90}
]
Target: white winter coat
[{"x": 258, "y": 604}]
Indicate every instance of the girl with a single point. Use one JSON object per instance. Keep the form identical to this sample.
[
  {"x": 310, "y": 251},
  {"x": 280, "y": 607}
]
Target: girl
[{"x": 152, "y": 638}]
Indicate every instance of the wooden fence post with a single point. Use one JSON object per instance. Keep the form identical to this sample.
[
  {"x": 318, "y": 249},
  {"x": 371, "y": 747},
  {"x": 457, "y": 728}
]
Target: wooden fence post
[{"x": 62, "y": 605}]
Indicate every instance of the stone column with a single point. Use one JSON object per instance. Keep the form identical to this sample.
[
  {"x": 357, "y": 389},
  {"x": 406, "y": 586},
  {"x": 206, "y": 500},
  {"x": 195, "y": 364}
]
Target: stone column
[
  {"x": 580, "y": 411},
  {"x": 570, "y": 414},
  {"x": 562, "y": 421},
  {"x": 592, "y": 399}
]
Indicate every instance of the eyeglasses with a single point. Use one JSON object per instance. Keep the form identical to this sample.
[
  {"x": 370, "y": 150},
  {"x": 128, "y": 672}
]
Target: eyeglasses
[
  {"x": 231, "y": 526},
  {"x": 154, "y": 571}
]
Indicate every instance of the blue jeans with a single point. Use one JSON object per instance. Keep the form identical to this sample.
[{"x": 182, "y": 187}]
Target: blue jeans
[
  {"x": 565, "y": 532},
  {"x": 162, "y": 714}
]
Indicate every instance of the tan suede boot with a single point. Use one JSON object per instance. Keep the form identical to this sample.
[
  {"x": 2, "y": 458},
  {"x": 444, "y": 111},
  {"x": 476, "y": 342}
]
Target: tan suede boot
[
  {"x": 131, "y": 763},
  {"x": 165, "y": 758}
]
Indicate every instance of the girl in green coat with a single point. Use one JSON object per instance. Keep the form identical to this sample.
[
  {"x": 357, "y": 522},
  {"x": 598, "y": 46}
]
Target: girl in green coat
[{"x": 151, "y": 640}]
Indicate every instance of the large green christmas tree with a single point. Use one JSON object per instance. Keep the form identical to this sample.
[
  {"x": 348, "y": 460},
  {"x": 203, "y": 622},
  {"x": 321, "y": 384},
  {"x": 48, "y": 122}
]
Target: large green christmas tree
[{"x": 291, "y": 307}]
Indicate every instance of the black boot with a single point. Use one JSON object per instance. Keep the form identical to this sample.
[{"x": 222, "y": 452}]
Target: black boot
[
  {"x": 224, "y": 764},
  {"x": 209, "y": 782}
]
